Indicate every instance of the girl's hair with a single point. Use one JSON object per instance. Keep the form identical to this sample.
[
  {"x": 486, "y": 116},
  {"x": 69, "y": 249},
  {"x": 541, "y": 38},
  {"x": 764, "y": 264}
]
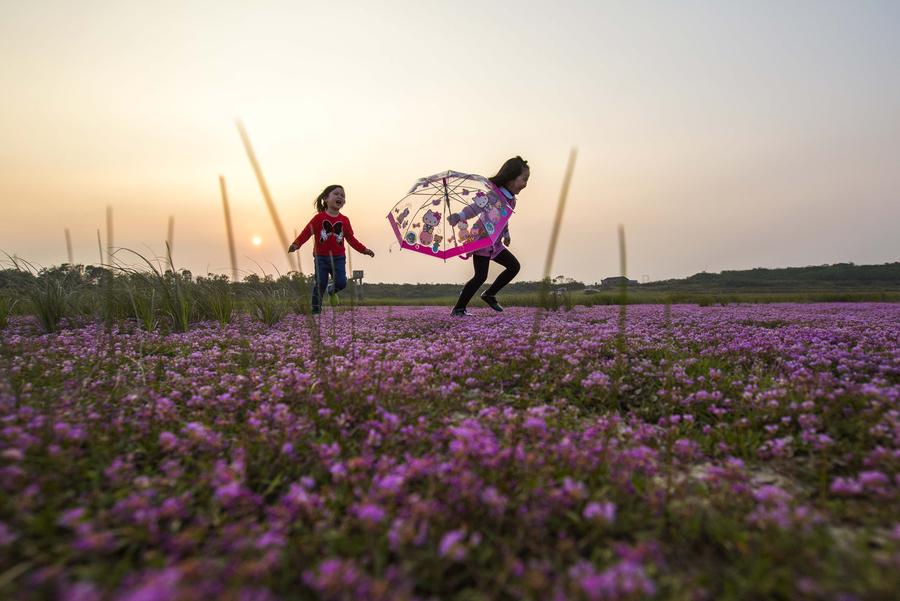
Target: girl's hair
[
  {"x": 510, "y": 170},
  {"x": 320, "y": 199}
]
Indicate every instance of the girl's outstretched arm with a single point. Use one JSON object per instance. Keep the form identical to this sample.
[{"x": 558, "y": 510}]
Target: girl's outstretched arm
[{"x": 305, "y": 235}]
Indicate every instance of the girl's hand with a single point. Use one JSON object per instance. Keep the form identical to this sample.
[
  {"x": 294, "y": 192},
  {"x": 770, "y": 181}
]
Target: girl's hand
[
  {"x": 369, "y": 252},
  {"x": 506, "y": 241},
  {"x": 292, "y": 248}
]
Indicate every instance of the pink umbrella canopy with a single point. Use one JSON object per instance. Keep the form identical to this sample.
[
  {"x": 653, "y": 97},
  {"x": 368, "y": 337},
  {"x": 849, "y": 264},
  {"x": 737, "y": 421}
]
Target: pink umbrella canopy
[{"x": 420, "y": 223}]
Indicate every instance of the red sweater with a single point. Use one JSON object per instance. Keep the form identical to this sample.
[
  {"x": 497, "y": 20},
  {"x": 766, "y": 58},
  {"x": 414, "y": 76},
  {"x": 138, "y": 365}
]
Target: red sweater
[{"x": 329, "y": 233}]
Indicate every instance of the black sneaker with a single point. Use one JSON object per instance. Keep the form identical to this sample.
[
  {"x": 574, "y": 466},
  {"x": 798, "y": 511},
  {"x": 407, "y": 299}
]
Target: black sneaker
[
  {"x": 492, "y": 302},
  {"x": 460, "y": 313}
]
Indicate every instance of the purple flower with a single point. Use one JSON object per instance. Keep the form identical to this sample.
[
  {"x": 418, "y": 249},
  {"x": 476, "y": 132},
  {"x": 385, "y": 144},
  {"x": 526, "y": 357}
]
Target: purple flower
[
  {"x": 7, "y": 537},
  {"x": 228, "y": 493},
  {"x": 156, "y": 587},
  {"x": 168, "y": 441},
  {"x": 605, "y": 512},
  {"x": 846, "y": 487},
  {"x": 370, "y": 513},
  {"x": 392, "y": 483},
  {"x": 452, "y": 545}
]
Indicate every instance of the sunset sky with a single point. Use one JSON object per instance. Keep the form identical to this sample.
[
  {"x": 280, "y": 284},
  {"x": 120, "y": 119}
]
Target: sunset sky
[{"x": 723, "y": 135}]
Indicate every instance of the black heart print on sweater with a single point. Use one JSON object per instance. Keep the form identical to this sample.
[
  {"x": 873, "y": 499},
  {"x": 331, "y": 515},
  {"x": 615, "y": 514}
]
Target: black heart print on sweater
[{"x": 332, "y": 229}]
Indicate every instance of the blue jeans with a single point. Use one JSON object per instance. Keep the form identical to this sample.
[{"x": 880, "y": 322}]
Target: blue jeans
[{"x": 336, "y": 267}]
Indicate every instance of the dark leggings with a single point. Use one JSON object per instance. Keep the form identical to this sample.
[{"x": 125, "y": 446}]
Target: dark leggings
[{"x": 481, "y": 263}]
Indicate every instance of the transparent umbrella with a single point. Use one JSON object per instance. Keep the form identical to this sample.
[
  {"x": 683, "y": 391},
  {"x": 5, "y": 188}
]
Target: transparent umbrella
[{"x": 421, "y": 220}]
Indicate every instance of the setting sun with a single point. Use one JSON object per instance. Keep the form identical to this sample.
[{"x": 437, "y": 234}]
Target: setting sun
[{"x": 256, "y": 240}]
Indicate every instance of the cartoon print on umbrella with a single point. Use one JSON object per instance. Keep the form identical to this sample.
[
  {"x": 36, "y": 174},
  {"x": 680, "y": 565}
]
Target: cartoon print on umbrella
[{"x": 472, "y": 215}]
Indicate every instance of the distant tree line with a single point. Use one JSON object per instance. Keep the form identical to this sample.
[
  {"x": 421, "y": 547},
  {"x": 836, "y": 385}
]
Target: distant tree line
[
  {"x": 840, "y": 276},
  {"x": 819, "y": 277}
]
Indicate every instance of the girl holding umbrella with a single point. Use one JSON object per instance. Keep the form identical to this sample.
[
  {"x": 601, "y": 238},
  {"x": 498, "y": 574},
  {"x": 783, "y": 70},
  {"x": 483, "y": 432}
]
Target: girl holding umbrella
[{"x": 510, "y": 179}]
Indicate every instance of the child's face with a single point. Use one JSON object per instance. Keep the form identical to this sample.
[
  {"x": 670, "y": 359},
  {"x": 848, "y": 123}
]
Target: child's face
[
  {"x": 518, "y": 184},
  {"x": 335, "y": 200}
]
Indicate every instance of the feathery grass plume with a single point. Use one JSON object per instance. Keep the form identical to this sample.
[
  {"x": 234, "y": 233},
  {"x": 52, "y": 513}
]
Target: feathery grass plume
[
  {"x": 352, "y": 288},
  {"x": 622, "y": 358},
  {"x": 232, "y": 254},
  {"x": 69, "y": 253},
  {"x": 170, "y": 234},
  {"x": 297, "y": 255},
  {"x": 623, "y": 289},
  {"x": 109, "y": 235},
  {"x": 270, "y": 204},
  {"x": 545, "y": 299},
  {"x": 332, "y": 298},
  {"x": 113, "y": 305},
  {"x": 177, "y": 301}
]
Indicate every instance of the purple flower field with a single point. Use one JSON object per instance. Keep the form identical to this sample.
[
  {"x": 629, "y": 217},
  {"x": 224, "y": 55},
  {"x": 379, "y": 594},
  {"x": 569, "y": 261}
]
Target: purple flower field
[{"x": 398, "y": 453}]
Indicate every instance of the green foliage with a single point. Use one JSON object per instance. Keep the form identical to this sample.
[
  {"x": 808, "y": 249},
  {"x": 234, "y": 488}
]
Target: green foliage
[
  {"x": 173, "y": 290},
  {"x": 49, "y": 296},
  {"x": 144, "y": 304},
  {"x": 6, "y": 308},
  {"x": 269, "y": 305},
  {"x": 156, "y": 297},
  {"x": 215, "y": 300}
]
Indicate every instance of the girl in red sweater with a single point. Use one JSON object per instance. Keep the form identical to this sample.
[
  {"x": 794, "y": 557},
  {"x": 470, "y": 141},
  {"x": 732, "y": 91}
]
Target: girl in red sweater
[{"x": 329, "y": 229}]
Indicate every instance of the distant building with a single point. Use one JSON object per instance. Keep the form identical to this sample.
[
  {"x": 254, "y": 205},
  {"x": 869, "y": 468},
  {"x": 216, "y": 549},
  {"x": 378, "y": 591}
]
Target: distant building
[{"x": 616, "y": 281}]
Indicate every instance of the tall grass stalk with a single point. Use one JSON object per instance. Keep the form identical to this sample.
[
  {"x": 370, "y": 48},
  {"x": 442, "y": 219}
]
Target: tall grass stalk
[
  {"x": 170, "y": 234},
  {"x": 232, "y": 254},
  {"x": 144, "y": 305},
  {"x": 270, "y": 204},
  {"x": 109, "y": 235},
  {"x": 69, "y": 253},
  {"x": 623, "y": 290},
  {"x": 115, "y": 304},
  {"x": 554, "y": 237}
]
